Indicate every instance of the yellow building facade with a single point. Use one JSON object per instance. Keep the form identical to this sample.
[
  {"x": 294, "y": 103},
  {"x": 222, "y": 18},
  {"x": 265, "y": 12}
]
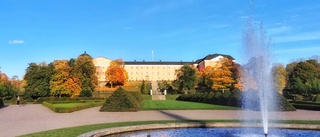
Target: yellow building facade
[{"x": 154, "y": 71}]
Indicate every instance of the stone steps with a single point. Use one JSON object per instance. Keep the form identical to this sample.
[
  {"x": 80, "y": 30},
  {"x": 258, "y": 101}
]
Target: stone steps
[{"x": 158, "y": 97}]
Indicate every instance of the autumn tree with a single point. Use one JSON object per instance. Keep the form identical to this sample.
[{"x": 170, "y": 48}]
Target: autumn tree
[
  {"x": 85, "y": 71},
  {"x": 279, "y": 77},
  {"x": 116, "y": 73},
  {"x": 37, "y": 79},
  {"x": 205, "y": 80},
  {"x": 237, "y": 73},
  {"x": 222, "y": 75},
  {"x": 187, "y": 78},
  {"x": 5, "y": 86}
]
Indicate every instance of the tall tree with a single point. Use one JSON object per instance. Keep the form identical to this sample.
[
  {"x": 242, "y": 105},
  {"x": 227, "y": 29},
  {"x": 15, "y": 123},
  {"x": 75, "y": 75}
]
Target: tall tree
[
  {"x": 116, "y": 74},
  {"x": 237, "y": 73},
  {"x": 222, "y": 75},
  {"x": 85, "y": 71},
  {"x": 5, "y": 86},
  {"x": 279, "y": 77},
  {"x": 187, "y": 78},
  {"x": 37, "y": 79},
  {"x": 59, "y": 78},
  {"x": 305, "y": 77},
  {"x": 205, "y": 80}
]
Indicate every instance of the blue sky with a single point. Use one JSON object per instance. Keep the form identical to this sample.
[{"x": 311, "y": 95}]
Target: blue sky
[{"x": 38, "y": 30}]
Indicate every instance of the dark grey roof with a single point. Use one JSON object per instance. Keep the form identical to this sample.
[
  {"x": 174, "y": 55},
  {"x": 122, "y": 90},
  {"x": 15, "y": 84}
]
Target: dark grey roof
[
  {"x": 211, "y": 56},
  {"x": 157, "y": 63}
]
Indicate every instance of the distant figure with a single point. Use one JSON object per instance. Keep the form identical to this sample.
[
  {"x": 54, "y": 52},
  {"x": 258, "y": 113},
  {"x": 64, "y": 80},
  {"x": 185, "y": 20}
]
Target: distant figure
[{"x": 18, "y": 100}]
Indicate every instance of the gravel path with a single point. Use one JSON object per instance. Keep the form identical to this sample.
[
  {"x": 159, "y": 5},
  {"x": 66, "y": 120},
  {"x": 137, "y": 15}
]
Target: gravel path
[{"x": 34, "y": 118}]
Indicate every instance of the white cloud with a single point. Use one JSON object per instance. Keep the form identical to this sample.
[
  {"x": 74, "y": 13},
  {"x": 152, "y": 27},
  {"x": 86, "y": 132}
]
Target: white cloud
[
  {"x": 16, "y": 42},
  {"x": 303, "y": 49},
  {"x": 298, "y": 37},
  {"x": 279, "y": 30}
]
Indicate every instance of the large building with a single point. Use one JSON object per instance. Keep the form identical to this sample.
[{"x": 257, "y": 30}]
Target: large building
[{"x": 154, "y": 71}]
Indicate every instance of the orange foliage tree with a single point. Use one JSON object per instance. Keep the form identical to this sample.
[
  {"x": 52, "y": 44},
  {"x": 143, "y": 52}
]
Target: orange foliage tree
[
  {"x": 116, "y": 74},
  {"x": 222, "y": 75},
  {"x": 62, "y": 82}
]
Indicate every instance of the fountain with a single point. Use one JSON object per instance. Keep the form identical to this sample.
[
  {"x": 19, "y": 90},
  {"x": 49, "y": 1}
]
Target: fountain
[{"x": 257, "y": 72}]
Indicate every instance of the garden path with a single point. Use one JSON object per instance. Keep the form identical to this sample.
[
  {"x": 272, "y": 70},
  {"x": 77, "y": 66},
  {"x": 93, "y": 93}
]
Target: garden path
[{"x": 34, "y": 118}]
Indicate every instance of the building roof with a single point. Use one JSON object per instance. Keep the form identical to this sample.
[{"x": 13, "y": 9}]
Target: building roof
[
  {"x": 211, "y": 56},
  {"x": 157, "y": 63}
]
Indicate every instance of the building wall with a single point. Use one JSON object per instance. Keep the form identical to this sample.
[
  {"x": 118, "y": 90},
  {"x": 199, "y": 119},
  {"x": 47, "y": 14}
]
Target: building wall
[
  {"x": 102, "y": 65},
  {"x": 151, "y": 72}
]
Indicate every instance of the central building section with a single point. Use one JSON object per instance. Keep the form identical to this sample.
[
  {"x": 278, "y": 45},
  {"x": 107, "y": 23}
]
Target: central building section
[{"x": 153, "y": 71}]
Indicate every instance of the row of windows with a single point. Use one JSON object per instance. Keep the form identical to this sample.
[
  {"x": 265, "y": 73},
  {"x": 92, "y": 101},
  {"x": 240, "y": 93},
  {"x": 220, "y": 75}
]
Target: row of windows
[
  {"x": 137, "y": 67},
  {"x": 147, "y": 73}
]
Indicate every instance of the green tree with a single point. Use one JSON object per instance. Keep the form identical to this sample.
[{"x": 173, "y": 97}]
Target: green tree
[
  {"x": 305, "y": 77},
  {"x": 37, "y": 79},
  {"x": 279, "y": 77},
  {"x": 289, "y": 68},
  {"x": 85, "y": 70},
  {"x": 8, "y": 87},
  {"x": 187, "y": 78}
]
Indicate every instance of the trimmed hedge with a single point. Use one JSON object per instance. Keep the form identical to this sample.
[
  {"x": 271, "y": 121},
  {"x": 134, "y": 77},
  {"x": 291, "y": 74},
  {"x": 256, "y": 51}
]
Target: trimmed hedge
[
  {"x": 123, "y": 101},
  {"x": 68, "y": 109},
  {"x": 1, "y": 103},
  {"x": 236, "y": 98},
  {"x": 50, "y": 99}
]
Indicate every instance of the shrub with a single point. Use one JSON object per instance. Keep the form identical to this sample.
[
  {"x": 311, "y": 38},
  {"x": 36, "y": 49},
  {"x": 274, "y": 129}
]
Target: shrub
[
  {"x": 235, "y": 99},
  {"x": 209, "y": 98},
  {"x": 87, "y": 92},
  {"x": 223, "y": 100},
  {"x": 282, "y": 103},
  {"x": 1, "y": 103},
  {"x": 317, "y": 99},
  {"x": 122, "y": 101},
  {"x": 216, "y": 98},
  {"x": 253, "y": 103}
]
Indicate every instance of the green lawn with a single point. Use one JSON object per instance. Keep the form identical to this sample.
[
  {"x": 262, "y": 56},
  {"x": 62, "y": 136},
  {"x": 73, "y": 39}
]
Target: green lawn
[
  {"x": 76, "y": 131},
  {"x": 181, "y": 105}
]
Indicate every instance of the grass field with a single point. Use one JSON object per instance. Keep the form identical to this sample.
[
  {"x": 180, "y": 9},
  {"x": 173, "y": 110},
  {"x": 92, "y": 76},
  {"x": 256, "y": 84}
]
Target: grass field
[
  {"x": 76, "y": 131},
  {"x": 181, "y": 105}
]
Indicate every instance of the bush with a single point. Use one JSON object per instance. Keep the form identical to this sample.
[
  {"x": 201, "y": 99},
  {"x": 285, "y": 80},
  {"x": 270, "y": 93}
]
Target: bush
[
  {"x": 1, "y": 103},
  {"x": 87, "y": 92},
  {"x": 317, "y": 99},
  {"x": 235, "y": 99},
  {"x": 122, "y": 101},
  {"x": 253, "y": 102},
  {"x": 223, "y": 100},
  {"x": 282, "y": 103}
]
